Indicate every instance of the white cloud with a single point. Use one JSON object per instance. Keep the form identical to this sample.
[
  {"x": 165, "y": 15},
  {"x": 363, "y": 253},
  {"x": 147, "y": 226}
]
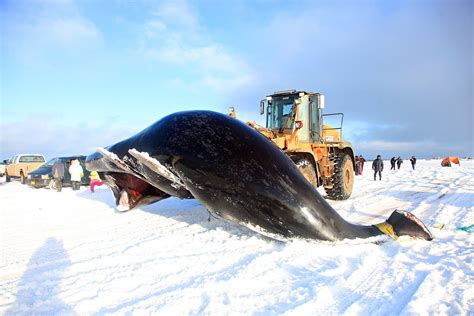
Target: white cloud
[
  {"x": 69, "y": 31},
  {"x": 33, "y": 30},
  {"x": 177, "y": 12},
  {"x": 154, "y": 28},
  {"x": 359, "y": 130},
  {"x": 32, "y": 135},
  {"x": 175, "y": 36},
  {"x": 226, "y": 84},
  {"x": 396, "y": 146},
  {"x": 425, "y": 148}
]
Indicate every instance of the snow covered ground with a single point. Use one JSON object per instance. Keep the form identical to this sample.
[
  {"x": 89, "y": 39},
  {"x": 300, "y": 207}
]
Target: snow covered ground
[{"x": 72, "y": 253}]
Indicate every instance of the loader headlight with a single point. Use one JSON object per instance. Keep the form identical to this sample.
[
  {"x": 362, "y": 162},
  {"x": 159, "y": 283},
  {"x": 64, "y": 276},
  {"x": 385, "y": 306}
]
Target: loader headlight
[
  {"x": 45, "y": 177},
  {"x": 29, "y": 176}
]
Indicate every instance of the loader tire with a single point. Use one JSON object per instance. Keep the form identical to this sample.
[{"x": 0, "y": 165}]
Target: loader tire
[
  {"x": 7, "y": 177},
  {"x": 343, "y": 178},
  {"x": 307, "y": 169},
  {"x": 22, "y": 178}
]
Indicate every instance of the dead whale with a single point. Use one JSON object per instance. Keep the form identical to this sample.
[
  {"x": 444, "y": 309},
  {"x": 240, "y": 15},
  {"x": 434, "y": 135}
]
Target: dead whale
[{"x": 236, "y": 173}]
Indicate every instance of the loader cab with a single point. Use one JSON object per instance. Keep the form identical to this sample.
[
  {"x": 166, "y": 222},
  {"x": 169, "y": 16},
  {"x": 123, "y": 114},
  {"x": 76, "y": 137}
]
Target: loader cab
[
  {"x": 290, "y": 110},
  {"x": 281, "y": 111},
  {"x": 296, "y": 124}
]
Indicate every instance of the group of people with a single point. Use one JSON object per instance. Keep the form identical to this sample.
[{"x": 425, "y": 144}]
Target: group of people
[
  {"x": 76, "y": 172},
  {"x": 398, "y": 161},
  {"x": 377, "y": 165}
]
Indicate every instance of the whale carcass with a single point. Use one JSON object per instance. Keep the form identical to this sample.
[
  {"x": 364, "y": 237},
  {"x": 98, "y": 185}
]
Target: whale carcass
[{"x": 236, "y": 173}]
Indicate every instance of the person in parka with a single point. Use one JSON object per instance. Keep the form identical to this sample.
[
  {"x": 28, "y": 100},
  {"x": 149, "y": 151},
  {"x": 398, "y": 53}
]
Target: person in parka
[
  {"x": 76, "y": 172},
  {"x": 377, "y": 166},
  {"x": 357, "y": 165},
  {"x": 361, "y": 163},
  {"x": 392, "y": 162},
  {"x": 58, "y": 174},
  {"x": 399, "y": 162},
  {"x": 413, "y": 162}
]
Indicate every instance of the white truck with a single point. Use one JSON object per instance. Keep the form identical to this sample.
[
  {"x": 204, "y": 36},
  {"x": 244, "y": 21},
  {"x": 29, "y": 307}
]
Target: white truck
[
  {"x": 20, "y": 165},
  {"x": 2, "y": 168}
]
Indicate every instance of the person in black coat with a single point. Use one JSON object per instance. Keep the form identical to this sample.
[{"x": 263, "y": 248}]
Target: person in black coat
[
  {"x": 399, "y": 162},
  {"x": 392, "y": 162},
  {"x": 413, "y": 162},
  {"x": 377, "y": 166}
]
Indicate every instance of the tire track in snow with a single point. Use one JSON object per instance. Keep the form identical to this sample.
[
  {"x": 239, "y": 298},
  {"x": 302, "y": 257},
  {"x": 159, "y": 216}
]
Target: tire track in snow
[{"x": 362, "y": 283}]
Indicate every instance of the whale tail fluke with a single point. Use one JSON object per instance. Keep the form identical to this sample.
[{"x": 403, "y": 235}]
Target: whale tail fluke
[{"x": 403, "y": 223}]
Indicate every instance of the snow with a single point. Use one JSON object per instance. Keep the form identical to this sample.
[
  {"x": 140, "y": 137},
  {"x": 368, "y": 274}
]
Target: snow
[{"x": 72, "y": 253}]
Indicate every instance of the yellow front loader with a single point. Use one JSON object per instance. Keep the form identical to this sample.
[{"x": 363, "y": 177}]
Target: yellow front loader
[{"x": 295, "y": 123}]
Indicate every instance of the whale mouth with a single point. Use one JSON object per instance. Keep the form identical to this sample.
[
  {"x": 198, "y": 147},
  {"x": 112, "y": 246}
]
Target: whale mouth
[{"x": 131, "y": 191}]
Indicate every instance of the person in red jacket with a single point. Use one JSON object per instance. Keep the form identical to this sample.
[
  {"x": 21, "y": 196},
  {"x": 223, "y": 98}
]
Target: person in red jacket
[
  {"x": 357, "y": 165},
  {"x": 361, "y": 164}
]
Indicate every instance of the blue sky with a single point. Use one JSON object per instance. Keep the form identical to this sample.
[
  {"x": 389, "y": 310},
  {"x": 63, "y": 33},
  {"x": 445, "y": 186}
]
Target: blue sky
[{"x": 76, "y": 75}]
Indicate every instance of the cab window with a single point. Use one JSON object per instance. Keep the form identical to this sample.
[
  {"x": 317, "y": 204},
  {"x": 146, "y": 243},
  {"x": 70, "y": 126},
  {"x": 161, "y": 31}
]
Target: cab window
[
  {"x": 31, "y": 159},
  {"x": 315, "y": 129}
]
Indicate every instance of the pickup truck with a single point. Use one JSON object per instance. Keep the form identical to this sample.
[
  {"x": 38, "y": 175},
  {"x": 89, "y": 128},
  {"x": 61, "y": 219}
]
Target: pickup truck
[
  {"x": 2, "y": 168},
  {"x": 21, "y": 165}
]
